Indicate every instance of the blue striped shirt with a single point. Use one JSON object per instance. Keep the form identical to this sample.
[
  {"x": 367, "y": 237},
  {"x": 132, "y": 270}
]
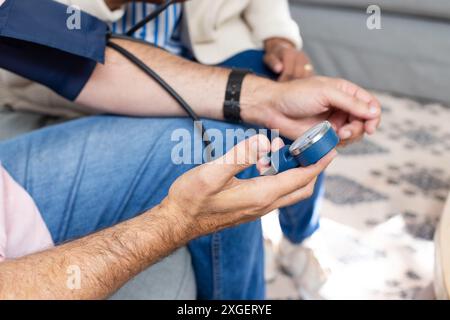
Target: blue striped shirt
[{"x": 164, "y": 31}]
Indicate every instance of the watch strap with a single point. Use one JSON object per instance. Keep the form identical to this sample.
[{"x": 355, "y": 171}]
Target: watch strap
[{"x": 232, "y": 104}]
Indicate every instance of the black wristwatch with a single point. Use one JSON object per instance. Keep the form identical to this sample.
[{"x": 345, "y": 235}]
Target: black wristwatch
[{"x": 232, "y": 104}]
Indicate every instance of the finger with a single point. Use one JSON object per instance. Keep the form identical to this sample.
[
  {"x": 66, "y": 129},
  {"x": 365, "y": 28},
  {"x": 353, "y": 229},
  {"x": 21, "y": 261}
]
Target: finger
[
  {"x": 294, "y": 179},
  {"x": 366, "y": 96},
  {"x": 273, "y": 62},
  {"x": 362, "y": 94},
  {"x": 277, "y": 144},
  {"x": 264, "y": 163},
  {"x": 372, "y": 125},
  {"x": 350, "y": 104},
  {"x": 288, "y": 66},
  {"x": 353, "y": 89},
  {"x": 338, "y": 119},
  {"x": 296, "y": 196},
  {"x": 353, "y": 130},
  {"x": 264, "y": 191},
  {"x": 242, "y": 156},
  {"x": 275, "y": 187}
]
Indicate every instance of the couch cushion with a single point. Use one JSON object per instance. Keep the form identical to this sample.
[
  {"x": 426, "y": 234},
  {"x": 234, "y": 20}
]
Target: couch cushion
[
  {"x": 170, "y": 279},
  {"x": 15, "y": 123},
  {"x": 406, "y": 54},
  {"x": 431, "y": 9}
]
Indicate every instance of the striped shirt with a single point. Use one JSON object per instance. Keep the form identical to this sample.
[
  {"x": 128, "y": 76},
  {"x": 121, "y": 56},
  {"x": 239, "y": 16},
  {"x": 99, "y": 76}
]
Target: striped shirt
[{"x": 164, "y": 31}]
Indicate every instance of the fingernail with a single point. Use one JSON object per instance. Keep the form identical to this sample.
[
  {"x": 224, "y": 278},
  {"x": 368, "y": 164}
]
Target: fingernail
[
  {"x": 278, "y": 68},
  {"x": 373, "y": 110},
  {"x": 345, "y": 134}
]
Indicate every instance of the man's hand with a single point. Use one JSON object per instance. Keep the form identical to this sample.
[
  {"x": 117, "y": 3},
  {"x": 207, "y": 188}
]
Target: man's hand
[
  {"x": 351, "y": 110},
  {"x": 295, "y": 106},
  {"x": 284, "y": 59},
  {"x": 204, "y": 200},
  {"x": 116, "y": 4},
  {"x": 210, "y": 198},
  {"x": 292, "y": 107}
]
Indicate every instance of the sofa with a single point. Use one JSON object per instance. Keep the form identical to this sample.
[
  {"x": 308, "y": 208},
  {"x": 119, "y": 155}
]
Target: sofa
[{"x": 409, "y": 55}]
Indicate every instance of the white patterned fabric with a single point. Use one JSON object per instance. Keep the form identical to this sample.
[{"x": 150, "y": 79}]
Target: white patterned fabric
[
  {"x": 384, "y": 198},
  {"x": 163, "y": 31}
]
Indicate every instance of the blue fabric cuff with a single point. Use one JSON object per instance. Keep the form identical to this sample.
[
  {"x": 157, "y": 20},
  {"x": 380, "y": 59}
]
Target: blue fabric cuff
[
  {"x": 46, "y": 23},
  {"x": 36, "y": 43}
]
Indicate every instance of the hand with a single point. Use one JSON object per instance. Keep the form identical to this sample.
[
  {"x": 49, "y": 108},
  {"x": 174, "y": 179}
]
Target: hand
[
  {"x": 116, "y": 4},
  {"x": 284, "y": 59},
  {"x": 210, "y": 198},
  {"x": 295, "y": 106}
]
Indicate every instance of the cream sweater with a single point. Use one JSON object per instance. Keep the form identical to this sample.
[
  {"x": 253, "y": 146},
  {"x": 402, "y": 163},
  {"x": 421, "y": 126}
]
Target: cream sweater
[
  {"x": 219, "y": 29},
  {"x": 216, "y": 30}
]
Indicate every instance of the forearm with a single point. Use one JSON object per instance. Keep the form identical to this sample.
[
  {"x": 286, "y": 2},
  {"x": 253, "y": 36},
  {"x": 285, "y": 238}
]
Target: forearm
[
  {"x": 120, "y": 87},
  {"x": 106, "y": 259}
]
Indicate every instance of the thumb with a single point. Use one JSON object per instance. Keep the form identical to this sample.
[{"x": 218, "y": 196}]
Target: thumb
[
  {"x": 273, "y": 62},
  {"x": 243, "y": 155}
]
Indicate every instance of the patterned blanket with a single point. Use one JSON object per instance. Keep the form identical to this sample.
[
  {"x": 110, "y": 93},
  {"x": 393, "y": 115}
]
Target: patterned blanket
[{"x": 384, "y": 197}]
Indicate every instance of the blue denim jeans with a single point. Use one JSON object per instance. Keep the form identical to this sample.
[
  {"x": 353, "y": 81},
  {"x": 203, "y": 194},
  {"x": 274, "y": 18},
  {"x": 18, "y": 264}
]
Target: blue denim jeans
[
  {"x": 92, "y": 173},
  {"x": 230, "y": 264}
]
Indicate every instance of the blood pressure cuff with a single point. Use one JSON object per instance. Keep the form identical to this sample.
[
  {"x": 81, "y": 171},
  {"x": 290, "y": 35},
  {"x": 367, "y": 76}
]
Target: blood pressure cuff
[{"x": 49, "y": 43}]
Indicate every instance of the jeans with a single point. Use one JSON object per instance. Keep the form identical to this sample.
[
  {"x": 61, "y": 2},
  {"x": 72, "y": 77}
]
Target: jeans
[
  {"x": 92, "y": 173},
  {"x": 233, "y": 259}
]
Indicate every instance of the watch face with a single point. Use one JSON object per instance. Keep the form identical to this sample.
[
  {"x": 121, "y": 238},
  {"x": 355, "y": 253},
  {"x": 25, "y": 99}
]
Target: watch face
[{"x": 309, "y": 138}]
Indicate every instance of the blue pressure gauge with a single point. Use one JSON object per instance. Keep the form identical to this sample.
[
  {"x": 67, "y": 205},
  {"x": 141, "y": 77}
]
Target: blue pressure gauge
[{"x": 306, "y": 150}]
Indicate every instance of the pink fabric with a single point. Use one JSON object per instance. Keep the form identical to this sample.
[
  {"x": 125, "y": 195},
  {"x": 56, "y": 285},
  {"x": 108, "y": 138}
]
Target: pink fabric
[{"x": 22, "y": 230}]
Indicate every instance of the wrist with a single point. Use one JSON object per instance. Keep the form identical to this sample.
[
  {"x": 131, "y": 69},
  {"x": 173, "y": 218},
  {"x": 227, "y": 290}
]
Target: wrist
[
  {"x": 259, "y": 96},
  {"x": 181, "y": 226}
]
